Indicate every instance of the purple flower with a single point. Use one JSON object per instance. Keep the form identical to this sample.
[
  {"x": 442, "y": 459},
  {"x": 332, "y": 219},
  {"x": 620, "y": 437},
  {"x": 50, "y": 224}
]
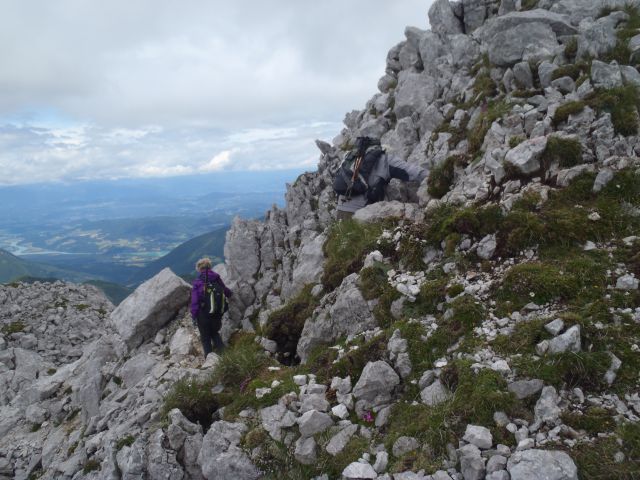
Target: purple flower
[{"x": 367, "y": 417}]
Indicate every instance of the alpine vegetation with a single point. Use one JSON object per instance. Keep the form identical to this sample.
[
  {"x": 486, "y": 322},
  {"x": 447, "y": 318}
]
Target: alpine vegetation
[{"x": 483, "y": 323}]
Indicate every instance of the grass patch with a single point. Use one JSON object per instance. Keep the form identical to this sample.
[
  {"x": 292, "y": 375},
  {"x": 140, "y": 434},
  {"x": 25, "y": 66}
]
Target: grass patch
[
  {"x": 375, "y": 285},
  {"x": 441, "y": 177},
  {"x": 346, "y": 246},
  {"x": 91, "y": 465},
  {"x": 566, "y": 151},
  {"x": 567, "y": 370},
  {"x": 596, "y": 460},
  {"x": 594, "y": 420},
  {"x": 565, "y": 110},
  {"x": 13, "y": 327},
  {"x": 621, "y": 52},
  {"x": 622, "y": 103},
  {"x": 285, "y": 324},
  {"x": 475, "y": 399},
  {"x": 124, "y": 442},
  {"x": 493, "y": 111}
]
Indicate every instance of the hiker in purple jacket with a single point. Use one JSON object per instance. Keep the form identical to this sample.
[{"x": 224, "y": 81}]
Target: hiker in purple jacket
[{"x": 208, "y": 325}]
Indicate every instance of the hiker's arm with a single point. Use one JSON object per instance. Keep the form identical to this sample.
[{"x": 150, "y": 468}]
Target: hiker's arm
[
  {"x": 195, "y": 300},
  {"x": 407, "y": 172}
]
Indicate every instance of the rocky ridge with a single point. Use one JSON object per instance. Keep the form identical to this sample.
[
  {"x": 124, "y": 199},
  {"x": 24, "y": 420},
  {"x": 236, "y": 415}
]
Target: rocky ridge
[{"x": 484, "y": 324}]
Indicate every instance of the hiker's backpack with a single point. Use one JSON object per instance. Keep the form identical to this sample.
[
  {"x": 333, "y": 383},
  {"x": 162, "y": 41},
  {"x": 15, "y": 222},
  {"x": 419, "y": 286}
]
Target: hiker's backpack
[
  {"x": 353, "y": 175},
  {"x": 214, "y": 302}
]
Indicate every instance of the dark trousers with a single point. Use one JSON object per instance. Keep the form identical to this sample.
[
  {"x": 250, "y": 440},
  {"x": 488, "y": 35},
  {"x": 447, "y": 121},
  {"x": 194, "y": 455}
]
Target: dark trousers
[{"x": 210, "y": 332}]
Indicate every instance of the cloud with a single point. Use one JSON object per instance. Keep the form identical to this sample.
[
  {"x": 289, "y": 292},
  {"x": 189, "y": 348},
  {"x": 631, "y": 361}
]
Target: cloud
[
  {"x": 218, "y": 162},
  {"x": 105, "y": 88}
]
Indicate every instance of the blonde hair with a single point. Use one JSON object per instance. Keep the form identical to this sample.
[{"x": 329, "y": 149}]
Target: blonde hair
[{"x": 203, "y": 264}]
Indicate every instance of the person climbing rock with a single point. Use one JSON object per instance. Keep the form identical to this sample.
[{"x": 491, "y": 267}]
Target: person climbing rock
[
  {"x": 364, "y": 174},
  {"x": 209, "y": 301}
]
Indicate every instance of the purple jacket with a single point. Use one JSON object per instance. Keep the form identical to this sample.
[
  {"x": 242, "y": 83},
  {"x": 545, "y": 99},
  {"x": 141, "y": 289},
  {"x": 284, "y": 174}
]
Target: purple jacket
[{"x": 198, "y": 289}]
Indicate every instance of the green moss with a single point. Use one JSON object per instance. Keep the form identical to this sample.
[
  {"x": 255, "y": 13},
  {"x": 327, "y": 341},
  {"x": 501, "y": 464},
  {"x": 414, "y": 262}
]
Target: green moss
[
  {"x": 13, "y": 327},
  {"x": 124, "y": 442},
  {"x": 564, "y": 111},
  {"x": 441, "y": 177},
  {"x": 455, "y": 290},
  {"x": 520, "y": 230},
  {"x": 571, "y": 70},
  {"x": 82, "y": 306},
  {"x": 285, "y": 324},
  {"x": 117, "y": 380},
  {"x": 431, "y": 294},
  {"x": 346, "y": 246},
  {"x": 567, "y": 152},
  {"x": 529, "y": 4}
]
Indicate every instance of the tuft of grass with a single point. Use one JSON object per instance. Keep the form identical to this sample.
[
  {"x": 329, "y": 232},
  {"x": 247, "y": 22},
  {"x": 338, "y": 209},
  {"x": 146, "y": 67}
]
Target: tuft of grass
[
  {"x": 595, "y": 460},
  {"x": 571, "y": 48},
  {"x": 567, "y": 370},
  {"x": 374, "y": 284},
  {"x": 285, "y": 324},
  {"x": 566, "y": 151},
  {"x": 594, "y": 420},
  {"x": 346, "y": 246},
  {"x": 124, "y": 442},
  {"x": 441, "y": 177},
  {"x": 564, "y": 111},
  {"x": 492, "y": 111},
  {"x": 574, "y": 70},
  {"x": 13, "y": 327},
  {"x": 524, "y": 338},
  {"x": 193, "y": 397},
  {"x": 622, "y": 103},
  {"x": 91, "y": 465},
  {"x": 475, "y": 399},
  {"x": 621, "y": 52}
]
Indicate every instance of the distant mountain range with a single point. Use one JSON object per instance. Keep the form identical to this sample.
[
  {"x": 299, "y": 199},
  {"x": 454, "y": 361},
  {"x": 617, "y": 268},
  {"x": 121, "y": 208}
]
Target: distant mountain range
[{"x": 183, "y": 258}]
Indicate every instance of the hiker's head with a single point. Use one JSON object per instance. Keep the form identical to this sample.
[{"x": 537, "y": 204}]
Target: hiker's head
[{"x": 203, "y": 264}]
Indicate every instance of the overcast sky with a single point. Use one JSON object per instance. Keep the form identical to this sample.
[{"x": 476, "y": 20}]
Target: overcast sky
[{"x": 111, "y": 89}]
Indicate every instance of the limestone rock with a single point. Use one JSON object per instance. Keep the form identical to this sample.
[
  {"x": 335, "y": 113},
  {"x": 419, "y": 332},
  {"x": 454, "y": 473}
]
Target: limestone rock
[
  {"x": 435, "y": 394},
  {"x": 479, "y": 436},
  {"x": 547, "y": 409},
  {"x": 443, "y": 20},
  {"x": 547, "y": 464},
  {"x": 221, "y": 457},
  {"x": 313, "y": 422},
  {"x": 525, "y": 157},
  {"x": 150, "y": 307},
  {"x": 376, "y": 382}
]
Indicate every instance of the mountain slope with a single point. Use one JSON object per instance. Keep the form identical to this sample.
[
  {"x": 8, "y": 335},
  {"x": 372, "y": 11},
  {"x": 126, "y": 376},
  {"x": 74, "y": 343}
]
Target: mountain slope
[
  {"x": 181, "y": 260},
  {"x": 12, "y": 267}
]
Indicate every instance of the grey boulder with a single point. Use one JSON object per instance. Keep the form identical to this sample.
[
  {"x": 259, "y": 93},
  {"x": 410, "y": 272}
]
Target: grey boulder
[
  {"x": 547, "y": 464},
  {"x": 221, "y": 457},
  {"x": 150, "y": 307}
]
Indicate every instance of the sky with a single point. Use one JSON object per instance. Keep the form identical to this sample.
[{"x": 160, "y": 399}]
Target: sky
[{"x": 146, "y": 88}]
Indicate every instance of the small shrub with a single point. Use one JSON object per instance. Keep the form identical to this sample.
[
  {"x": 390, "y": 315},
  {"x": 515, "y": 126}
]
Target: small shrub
[
  {"x": 529, "y": 4},
  {"x": 567, "y": 152},
  {"x": 374, "y": 284},
  {"x": 524, "y": 338},
  {"x": 572, "y": 70},
  {"x": 35, "y": 427},
  {"x": 564, "y": 111},
  {"x": 117, "y": 380},
  {"x": 51, "y": 371}
]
